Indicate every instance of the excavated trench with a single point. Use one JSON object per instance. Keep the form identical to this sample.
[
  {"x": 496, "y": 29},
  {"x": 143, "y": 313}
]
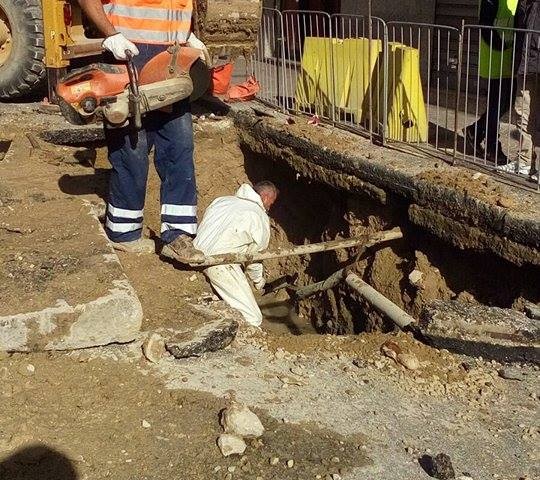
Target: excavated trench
[{"x": 412, "y": 272}]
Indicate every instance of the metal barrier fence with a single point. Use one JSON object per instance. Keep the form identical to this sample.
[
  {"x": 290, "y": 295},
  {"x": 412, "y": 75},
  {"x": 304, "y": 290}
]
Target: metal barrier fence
[
  {"x": 450, "y": 92},
  {"x": 498, "y": 101},
  {"x": 360, "y": 81},
  {"x": 267, "y": 62},
  {"x": 303, "y": 92}
]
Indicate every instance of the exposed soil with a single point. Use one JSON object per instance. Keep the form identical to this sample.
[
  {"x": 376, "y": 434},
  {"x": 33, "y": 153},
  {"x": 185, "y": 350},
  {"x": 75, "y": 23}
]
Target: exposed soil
[
  {"x": 42, "y": 255},
  {"x": 49, "y": 435},
  {"x": 475, "y": 185},
  {"x": 223, "y": 164},
  {"x": 320, "y": 397}
]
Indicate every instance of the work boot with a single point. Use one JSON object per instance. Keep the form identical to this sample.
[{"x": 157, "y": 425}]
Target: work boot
[
  {"x": 473, "y": 143},
  {"x": 182, "y": 249},
  {"x": 497, "y": 156},
  {"x": 533, "y": 172},
  {"x": 142, "y": 245}
]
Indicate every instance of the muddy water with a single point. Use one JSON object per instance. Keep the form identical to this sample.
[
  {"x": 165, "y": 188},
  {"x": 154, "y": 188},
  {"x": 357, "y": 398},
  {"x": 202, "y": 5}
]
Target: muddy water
[{"x": 281, "y": 316}]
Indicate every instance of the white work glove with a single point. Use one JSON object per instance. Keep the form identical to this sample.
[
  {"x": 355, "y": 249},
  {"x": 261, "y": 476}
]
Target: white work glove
[
  {"x": 117, "y": 44},
  {"x": 194, "y": 42},
  {"x": 255, "y": 271},
  {"x": 260, "y": 284}
]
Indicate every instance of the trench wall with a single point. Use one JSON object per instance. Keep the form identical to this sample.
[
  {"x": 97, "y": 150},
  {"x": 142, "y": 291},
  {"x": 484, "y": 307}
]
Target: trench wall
[{"x": 465, "y": 247}]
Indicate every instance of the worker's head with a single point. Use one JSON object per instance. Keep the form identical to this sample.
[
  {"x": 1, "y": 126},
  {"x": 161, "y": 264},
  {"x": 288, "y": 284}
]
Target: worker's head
[{"x": 268, "y": 193}]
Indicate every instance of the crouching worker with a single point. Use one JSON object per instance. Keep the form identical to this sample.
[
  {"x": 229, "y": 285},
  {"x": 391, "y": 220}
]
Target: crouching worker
[{"x": 238, "y": 224}]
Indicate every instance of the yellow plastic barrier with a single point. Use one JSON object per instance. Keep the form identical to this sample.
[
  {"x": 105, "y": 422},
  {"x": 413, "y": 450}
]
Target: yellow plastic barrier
[
  {"x": 314, "y": 82},
  {"x": 335, "y": 72},
  {"x": 338, "y": 73},
  {"x": 406, "y": 116}
]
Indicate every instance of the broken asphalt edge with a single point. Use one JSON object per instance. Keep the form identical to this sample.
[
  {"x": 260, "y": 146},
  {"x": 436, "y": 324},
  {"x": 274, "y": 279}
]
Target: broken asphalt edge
[{"x": 509, "y": 234}]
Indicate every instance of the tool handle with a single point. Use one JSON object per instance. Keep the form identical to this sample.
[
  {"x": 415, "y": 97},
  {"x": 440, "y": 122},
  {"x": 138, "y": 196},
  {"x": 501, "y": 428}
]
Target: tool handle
[
  {"x": 132, "y": 73},
  {"x": 135, "y": 100}
]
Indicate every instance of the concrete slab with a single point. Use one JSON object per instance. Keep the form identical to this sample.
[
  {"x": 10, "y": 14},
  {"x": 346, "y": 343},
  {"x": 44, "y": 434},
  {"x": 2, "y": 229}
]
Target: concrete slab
[
  {"x": 493, "y": 333},
  {"x": 63, "y": 286}
]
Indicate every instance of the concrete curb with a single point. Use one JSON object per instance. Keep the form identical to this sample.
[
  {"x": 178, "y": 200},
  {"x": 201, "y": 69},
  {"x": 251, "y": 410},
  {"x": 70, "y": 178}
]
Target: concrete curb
[{"x": 114, "y": 318}]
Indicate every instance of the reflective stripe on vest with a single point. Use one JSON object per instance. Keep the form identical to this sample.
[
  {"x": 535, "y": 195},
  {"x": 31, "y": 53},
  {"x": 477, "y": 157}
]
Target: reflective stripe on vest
[
  {"x": 494, "y": 63},
  {"x": 151, "y": 21}
]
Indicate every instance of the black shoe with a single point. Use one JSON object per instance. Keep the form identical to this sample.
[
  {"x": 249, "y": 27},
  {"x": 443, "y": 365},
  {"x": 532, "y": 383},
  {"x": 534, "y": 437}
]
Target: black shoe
[
  {"x": 473, "y": 143},
  {"x": 497, "y": 156}
]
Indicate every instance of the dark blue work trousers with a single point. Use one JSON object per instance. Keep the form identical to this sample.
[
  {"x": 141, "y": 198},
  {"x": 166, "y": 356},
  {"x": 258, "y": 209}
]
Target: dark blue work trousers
[{"x": 171, "y": 136}]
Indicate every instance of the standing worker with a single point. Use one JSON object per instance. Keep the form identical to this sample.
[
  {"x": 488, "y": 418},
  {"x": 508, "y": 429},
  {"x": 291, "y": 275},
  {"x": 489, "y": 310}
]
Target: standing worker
[
  {"x": 529, "y": 76},
  {"x": 497, "y": 65},
  {"x": 238, "y": 224},
  {"x": 145, "y": 28}
]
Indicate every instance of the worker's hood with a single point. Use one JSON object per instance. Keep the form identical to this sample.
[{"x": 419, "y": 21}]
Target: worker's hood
[{"x": 246, "y": 192}]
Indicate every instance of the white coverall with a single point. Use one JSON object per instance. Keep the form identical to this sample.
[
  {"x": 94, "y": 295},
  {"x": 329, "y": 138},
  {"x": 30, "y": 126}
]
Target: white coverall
[{"x": 236, "y": 224}]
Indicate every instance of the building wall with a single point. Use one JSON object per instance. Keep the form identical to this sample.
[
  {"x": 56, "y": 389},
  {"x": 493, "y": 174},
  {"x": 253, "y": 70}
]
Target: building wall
[{"x": 405, "y": 10}]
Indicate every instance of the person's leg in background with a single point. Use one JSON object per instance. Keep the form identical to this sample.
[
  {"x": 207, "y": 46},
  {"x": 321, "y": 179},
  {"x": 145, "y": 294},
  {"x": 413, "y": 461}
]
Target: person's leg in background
[
  {"x": 502, "y": 96},
  {"x": 523, "y": 110},
  {"x": 172, "y": 134},
  {"x": 533, "y": 87},
  {"x": 231, "y": 285},
  {"x": 486, "y": 128},
  {"x": 475, "y": 134}
]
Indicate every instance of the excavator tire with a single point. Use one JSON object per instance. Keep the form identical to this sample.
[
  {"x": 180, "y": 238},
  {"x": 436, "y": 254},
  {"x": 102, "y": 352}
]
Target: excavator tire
[
  {"x": 22, "y": 48},
  {"x": 228, "y": 27}
]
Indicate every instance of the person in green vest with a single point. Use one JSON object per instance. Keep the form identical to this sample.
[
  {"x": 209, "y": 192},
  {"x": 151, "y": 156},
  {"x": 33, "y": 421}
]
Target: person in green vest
[
  {"x": 528, "y": 18},
  {"x": 498, "y": 61}
]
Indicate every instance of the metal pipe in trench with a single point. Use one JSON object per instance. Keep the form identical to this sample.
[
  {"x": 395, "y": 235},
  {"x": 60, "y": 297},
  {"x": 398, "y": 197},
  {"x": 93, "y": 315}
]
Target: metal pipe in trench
[{"x": 401, "y": 318}]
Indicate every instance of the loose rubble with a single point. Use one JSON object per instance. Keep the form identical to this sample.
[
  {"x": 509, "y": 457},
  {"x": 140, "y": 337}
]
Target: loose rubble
[
  {"x": 501, "y": 334},
  {"x": 231, "y": 444},
  {"x": 239, "y": 420},
  {"x": 438, "y": 466},
  {"x": 215, "y": 334}
]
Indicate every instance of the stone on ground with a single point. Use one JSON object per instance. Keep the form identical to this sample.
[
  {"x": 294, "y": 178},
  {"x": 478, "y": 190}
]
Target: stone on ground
[
  {"x": 230, "y": 444},
  {"x": 239, "y": 420},
  {"x": 409, "y": 361},
  {"x": 438, "y": 466},
  {"x": 154, "y": 348},
  {"x": 509, "y": 373},
  {"x": 218, "y": 330}
]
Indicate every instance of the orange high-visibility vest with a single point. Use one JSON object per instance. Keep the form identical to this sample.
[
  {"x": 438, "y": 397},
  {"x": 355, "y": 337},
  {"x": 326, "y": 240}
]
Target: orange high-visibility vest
[{"x": 151, "y": 21}]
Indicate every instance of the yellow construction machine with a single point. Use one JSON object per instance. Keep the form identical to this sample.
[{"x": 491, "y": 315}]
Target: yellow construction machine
[{"x": 40, "y": 39}]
